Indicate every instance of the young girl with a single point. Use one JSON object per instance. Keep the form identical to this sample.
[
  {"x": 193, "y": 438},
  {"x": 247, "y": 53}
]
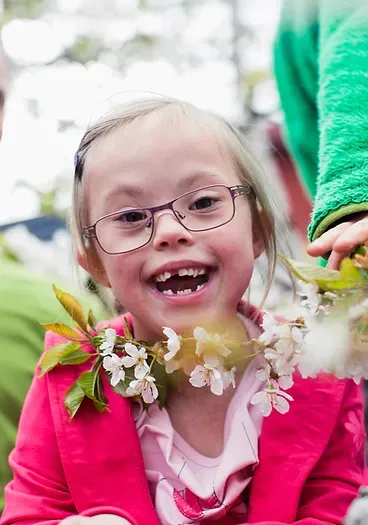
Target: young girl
[{"x": 202, "y": 458}]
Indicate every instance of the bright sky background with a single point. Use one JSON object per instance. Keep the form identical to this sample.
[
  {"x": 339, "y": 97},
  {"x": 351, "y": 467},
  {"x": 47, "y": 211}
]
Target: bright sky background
[{"x": 38, "y": 151}]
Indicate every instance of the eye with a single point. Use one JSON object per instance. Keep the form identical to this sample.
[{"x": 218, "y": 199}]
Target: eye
[
  {"x": 131, "y": 217},
  {"x": 203, "y": 203}
]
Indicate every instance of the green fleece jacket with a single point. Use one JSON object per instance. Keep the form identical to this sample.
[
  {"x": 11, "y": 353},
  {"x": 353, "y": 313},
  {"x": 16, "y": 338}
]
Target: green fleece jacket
[
  {"x": 25, "y": 301},
  {"x": 321, "y": 68}
]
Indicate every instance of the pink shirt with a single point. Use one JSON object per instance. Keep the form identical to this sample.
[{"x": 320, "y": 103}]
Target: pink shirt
[{"x": 183, "y": 483}]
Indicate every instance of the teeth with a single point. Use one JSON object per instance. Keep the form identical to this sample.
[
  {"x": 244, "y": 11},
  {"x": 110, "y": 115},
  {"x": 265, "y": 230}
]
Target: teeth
[
  {"x": 192, "y": 272},
  {"x": 187, "y": 291},
  {"x": 162, "y": 277},
  {"x": 199, "y": 287}
]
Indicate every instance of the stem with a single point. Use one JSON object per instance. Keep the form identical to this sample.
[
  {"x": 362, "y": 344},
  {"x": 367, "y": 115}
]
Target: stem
[{"x": 247, "y": 356}]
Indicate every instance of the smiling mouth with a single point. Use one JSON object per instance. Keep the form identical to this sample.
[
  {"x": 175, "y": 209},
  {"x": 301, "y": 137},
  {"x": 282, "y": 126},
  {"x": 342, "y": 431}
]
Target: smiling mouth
[{"x": 183, "y": 282}]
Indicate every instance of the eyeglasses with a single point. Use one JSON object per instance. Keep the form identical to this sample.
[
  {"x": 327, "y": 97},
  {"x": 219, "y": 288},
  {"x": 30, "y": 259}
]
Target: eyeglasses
[{"x": 200, "y": 210}]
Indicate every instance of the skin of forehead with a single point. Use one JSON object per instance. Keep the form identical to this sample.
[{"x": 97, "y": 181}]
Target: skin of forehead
[{"x": 154, "y": 124}]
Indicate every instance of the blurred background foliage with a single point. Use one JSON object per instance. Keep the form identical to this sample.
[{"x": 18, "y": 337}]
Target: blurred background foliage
[{"x": 67, "y": 56}]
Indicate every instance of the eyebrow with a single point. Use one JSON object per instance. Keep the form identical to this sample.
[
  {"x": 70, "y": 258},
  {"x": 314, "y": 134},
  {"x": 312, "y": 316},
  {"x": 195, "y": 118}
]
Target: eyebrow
[{"x": 138, "y": 191}]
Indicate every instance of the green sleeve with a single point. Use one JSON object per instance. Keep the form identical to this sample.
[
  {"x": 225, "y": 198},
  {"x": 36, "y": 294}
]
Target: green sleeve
[
  {"x": 25, "y": 302},
  {"x": 321, "y": 57},
  {"x": 295, "y": 68},
  {"x": 343, "y": 107}
]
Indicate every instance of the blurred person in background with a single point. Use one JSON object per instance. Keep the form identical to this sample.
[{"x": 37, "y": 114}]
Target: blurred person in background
[
  {"x": 25, "y": 301},
  {"x": 321, "y": 54}
]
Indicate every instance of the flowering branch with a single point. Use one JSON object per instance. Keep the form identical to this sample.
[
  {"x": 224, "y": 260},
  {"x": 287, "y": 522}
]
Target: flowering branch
[{"x": 335, "y": 303}]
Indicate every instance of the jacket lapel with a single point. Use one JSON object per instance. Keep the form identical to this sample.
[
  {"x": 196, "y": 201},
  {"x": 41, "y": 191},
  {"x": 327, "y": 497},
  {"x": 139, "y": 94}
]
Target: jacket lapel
[
  {"x": 290, "y": 446},
  {"x": 102, "y": 448}
]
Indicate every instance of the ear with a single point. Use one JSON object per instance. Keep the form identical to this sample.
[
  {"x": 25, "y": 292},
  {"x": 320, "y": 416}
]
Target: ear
[
  {"x": 92, "y": 265},
  {"x": 261, "y": 230}
]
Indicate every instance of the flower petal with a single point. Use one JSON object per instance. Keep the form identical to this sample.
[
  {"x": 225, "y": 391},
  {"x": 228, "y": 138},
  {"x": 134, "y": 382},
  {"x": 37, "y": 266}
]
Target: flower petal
[
  {"x": 171, "y": 366},
  {"x": 263, "y": 399},
  {"x": 281, "y": 405},
  {"x": 110, "y": 335},
  {"x": 200, "y": 334},
  {"x": 131, "y": 350},
  {"x": 117, "y": 376},
  {"x": 217, "y": 386},
  {"x": 173, "y": 342},
  {"x": 141, "y": 370},
  {"x": 128, "y": 361}
]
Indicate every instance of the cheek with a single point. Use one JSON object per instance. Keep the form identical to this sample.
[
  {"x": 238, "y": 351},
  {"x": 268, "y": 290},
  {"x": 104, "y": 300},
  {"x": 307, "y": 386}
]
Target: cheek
[{"x": 122, "y": 271}]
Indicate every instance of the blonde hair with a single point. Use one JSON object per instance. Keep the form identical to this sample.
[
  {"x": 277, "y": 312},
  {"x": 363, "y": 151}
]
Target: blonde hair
[{"x": 228, "y": 138}]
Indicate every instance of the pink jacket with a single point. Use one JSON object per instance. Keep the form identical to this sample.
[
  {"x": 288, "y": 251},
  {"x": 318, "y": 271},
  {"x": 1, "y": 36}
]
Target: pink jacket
[{"x": 311, "y": 459}]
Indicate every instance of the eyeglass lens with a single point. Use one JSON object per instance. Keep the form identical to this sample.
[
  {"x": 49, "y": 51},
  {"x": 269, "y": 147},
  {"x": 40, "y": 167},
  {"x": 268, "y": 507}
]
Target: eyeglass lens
[{"x": 129, "y": 229}]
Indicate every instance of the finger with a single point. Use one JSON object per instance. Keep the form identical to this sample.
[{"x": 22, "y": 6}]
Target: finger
[
  {"x": 352, "y": 237},
  {"x": 335, "y": 259},
  {"x": 325, "y": 243}
]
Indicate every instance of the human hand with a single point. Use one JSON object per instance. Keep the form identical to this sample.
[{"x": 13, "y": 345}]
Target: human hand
[
  {"x": 341, "y": 240},
  {"x": 101, "y": 519}
]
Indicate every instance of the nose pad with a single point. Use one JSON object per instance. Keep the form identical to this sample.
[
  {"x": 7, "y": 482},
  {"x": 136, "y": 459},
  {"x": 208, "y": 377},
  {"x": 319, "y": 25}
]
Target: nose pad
[{"x": 169, "y": 231}]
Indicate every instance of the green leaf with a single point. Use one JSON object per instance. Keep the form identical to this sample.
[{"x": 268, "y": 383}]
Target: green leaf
[
  {"x": 54, "y": 355},
  {"x": 73, "y": 399},
  {"x": 64, "y": 330},
  {"x": 327, "y": 280},
  {"x": 73, "y": 307},
  {"x": 92, "y": 321},
  {"x": 100, "y": 405},
  {"x": 127, "y": 332},
  {"x": 87, "y": 382},
  {"x": 349, "y": 271},
  {"x": 75, "y": 357}
]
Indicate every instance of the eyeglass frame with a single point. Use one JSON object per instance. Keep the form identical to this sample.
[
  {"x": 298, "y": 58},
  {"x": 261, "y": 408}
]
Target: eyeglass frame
[{"x": 90, "y": 232}]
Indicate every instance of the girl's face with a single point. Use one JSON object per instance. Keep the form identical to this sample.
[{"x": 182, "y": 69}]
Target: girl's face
[{"x": 149, "y": 164}]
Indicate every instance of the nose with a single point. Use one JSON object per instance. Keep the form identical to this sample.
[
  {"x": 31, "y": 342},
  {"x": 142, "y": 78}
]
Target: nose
[{"x": 169, "y": 232}]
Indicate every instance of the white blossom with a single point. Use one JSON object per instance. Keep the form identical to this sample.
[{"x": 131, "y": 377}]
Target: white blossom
[
  {"x": 145, "y": 387},
  {"x": 285, "y": 354},
  {"x": 326, "y": 348},
  {"x": 136, "y": 357},
  {"x": 173, "y": 343},
  {"x": 272, "y": 398},
  {"x": 114, "y": 365},
  {"x": 209, "y": 346},
  {"x": 311, "y": 299},
  {"x": 284, "y": 381},
  {"x": 108, "y": 344},
  {"x": 270, "y": 328},
  {"x": 171, "y": 366},
  {"x": 208, "y": 375},
  {"x": 228, "y": 377}
]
